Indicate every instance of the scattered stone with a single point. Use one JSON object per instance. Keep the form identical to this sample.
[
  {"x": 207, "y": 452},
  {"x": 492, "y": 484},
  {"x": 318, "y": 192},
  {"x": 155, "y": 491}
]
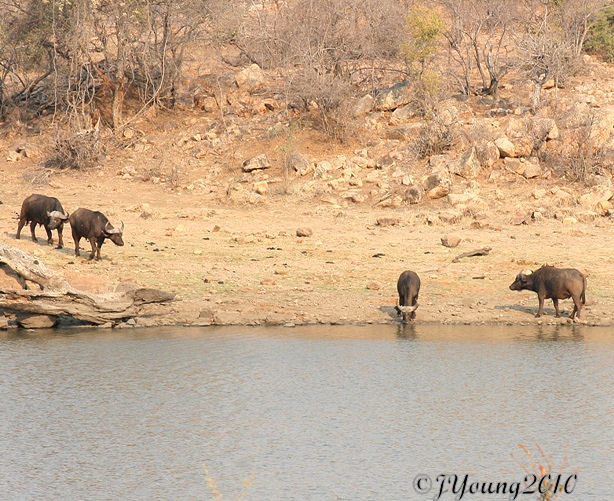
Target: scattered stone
[
  {"x": 402, "y": 114},
  {"x": 385, "y": 161},
  {"x": 438, "y": 192},
  {"x": 387, "y": 221},
  {"x": 569, "y": 220},
  {"x": 298, "y": 163},
  {"x": 505, "y": 147},
  {"x": 374, "y": 286},
  {"x": 216, "y": 228},
  {"x": 268, "y": 281},
  {"x": 13, "y": 156},
  {"x": 539, "y": 193},
  {"x": 487, "y": 153},
  {"x": 414, "y": 194},
  {"x": 531, "y": 170},
  {"x": 28, "y": 151},
  {"x": 304, "y": 232},
  {"x": 450, "y": 241},
  {"x": 261, "y": 187},
  {"x": 258, "y": 162}
]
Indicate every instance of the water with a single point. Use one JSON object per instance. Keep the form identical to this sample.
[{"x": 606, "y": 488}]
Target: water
[{"x": 318, "y": 413}]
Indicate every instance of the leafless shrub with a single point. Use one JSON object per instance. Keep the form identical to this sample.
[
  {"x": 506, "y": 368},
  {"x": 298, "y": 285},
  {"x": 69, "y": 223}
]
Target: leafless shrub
[
  {"x": 578, "y": 156},
  {"x": 80, "y": 150},
  {"x": 437, "y": 136},
  {"x": 317, "y": 43},
  {"x": 37, "y": 175}
]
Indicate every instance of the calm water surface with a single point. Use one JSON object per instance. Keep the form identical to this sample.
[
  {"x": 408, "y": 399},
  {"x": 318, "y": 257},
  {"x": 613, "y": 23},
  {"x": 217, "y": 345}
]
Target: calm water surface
[{"x": 318, "y": 413}]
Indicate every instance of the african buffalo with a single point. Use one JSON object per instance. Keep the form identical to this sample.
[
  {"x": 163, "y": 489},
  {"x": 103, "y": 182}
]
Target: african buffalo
[
  {"x": 95, "y": 227},
  {"x": 408, "y": 287},
  {"x": 553, "y": 283},
  {"x": 43, "y": 210}
]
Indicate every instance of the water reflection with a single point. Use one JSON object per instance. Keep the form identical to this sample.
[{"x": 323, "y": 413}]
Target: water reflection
[{"x": 315, "y": 413}]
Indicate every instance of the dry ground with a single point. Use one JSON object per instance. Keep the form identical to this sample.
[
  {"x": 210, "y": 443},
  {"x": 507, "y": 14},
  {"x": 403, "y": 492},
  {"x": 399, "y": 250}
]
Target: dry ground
[{"x": 255, "y": 270}]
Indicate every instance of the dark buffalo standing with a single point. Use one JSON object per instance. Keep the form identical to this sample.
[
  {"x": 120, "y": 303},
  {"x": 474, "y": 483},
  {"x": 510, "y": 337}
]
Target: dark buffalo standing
[
  {"x": 408, "y": 287},
  {"x": 43, "y": 210},
  {"x": 95, "y": 227},
  {"x": 553, "y": 283}
]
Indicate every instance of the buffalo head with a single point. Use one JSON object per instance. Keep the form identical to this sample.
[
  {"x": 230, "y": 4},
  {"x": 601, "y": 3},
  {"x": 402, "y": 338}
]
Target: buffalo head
[
  {"x": 523, "y": 281},
  {"x": 114, "y": 234},
  {"x": 56, "y": 219}
]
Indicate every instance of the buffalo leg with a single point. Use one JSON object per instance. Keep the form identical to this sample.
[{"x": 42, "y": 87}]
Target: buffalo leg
[
  {"x": 577, "y": 306},
  {"x": 76, "y": 239},
  {"x": 100, "y": 242},
  {"x": 21, "y": 224},
  {"x": 49, "y": 236},
  {"x": 60, "y": 242},
  {"x": 555, "y": 302},
  {"x": 32, "y": 226},
  {"x": 413, "y": 313},
  {"x": 93, "y": 244},
  {"x": 540, "y": 310}
]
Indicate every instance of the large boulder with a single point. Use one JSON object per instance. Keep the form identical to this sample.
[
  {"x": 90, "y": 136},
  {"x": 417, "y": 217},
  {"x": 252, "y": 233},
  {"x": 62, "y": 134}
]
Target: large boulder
[
  {"x": 468, "y": 166},
  {"x": 363, "y": 106},
  {"x": 251, "y": 78},
  {"x": 393, "y": 97}
]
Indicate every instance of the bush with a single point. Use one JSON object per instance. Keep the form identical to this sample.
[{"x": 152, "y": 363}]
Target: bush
[
  {"x": 601, "y": 36},
  {"x": 81, "y": 150}
]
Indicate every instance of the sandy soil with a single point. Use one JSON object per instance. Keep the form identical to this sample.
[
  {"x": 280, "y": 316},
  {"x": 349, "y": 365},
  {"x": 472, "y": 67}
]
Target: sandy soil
[{"x": 245, "y": 264}]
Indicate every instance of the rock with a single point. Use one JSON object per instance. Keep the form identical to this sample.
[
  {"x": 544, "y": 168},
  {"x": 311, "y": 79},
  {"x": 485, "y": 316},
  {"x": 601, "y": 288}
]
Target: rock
[
  {"x": 539, "y": 193},
  {"x": 4, "y": 323},
  {"x": 460, "y": 198},
  {"x": 487, "y": 153},
  {"x": 438, "y": 192},
  {"x": 206, "y": 316},
  {"x": 505, "y": 147},
  {"x": 304, "y": 232},
  {"x": 354, "y": 196},
  {"x": 258, "y": 162},
  {"x": 387, "y": 221},
  {"x": 261, "y": 187},
  {"x": 393, "y": 97},
  {"x": 298, "y": 163},
  {"x": 414, "y": 194},
  {"x": 569, "y": 220},
  {"x": 604, "y": 207},
  {"x": 468, "y": 166},
  {"x": 36, "y": 321},
  {"x": 374, "y": 286},
  {"x": 385, "y": 161},
  {"x": 28, "y": 151},
  {"x": 450, "y": 241},
  {"x": 531, "y": 170},
  {"x": 363, "y": 106},
  {"x": 402, "y": 115},
  {"x": 13, "y": 156},
  {"x": 545, "y": 128},
  {"x": 250, "y": 78}
]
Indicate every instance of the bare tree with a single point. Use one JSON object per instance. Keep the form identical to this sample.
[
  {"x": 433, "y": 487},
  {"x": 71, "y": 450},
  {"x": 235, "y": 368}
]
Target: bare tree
[{"x": 479, "y": 39}]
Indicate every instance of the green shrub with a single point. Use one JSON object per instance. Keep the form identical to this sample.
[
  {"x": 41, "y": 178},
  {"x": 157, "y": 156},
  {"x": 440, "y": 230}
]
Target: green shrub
[{"x": 601, "y": 36}]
